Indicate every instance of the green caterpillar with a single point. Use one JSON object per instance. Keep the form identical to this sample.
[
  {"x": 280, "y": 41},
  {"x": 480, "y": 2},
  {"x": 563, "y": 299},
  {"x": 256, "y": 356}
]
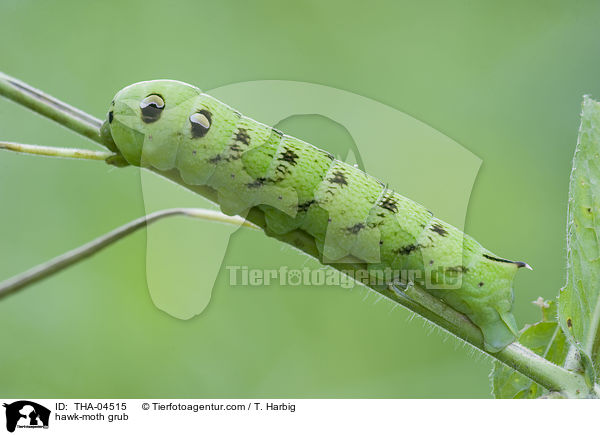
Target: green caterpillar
[{"x": 169, "y": 126}]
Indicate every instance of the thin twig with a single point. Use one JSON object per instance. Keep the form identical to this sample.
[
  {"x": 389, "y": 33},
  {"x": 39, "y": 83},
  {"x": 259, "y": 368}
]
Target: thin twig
[
  {"x": 62, "y": 261},
  {"x": 50, "y": 107},
  {"x": 68, "y": 153}
]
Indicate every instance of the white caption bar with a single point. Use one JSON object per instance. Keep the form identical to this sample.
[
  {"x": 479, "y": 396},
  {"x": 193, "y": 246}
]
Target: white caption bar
[{"x": 307, "y": 416}]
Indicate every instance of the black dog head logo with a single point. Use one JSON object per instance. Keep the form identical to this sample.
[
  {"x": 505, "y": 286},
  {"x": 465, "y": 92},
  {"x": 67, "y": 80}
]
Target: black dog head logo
[{"x": 34, "y": 414}]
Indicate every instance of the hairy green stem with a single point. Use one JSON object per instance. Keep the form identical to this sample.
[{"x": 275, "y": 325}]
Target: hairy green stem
[{"x": 515, "y": 355}]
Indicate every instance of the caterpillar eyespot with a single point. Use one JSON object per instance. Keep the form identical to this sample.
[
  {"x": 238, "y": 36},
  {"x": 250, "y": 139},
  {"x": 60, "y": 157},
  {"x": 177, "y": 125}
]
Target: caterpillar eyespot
[
  {"x": 151, "y": 108},
  {"x": 200, "y": 123},
  {"x": 350, "y": 215}
]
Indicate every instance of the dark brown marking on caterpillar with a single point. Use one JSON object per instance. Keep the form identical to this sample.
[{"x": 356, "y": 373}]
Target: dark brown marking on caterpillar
[
  {"x": 237, "y": 151},
  {"x": 339, "y": 178},
  {"x": 110, "y": 117},
  {"x": 256, "y": 183},
  {"x": 374, "y": 225},
  {"x": 480, "y": 284},
  {"x": 405, "y": 250},
  {"x": 519, "y": 264},
  {"x": 283, "y": 169},
  {"x": 355, "y": 229},
  {"x": 305, "y": 205},
  {"x": 242, "y": 136},
  {"x": 569, "y": 322},
  {"x": 437, "y": 228},
  {"x": 390, "y": 204},
  {"x": 235, "y": 147},
  {"x": 289, "y": 156}
]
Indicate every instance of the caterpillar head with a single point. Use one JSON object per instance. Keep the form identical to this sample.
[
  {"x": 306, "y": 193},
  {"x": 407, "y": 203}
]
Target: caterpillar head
[{"x": 148, "y": 121}]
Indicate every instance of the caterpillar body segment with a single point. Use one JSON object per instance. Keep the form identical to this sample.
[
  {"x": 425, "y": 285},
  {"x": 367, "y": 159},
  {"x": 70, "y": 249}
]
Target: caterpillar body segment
[{"x": 172, "y": 126}]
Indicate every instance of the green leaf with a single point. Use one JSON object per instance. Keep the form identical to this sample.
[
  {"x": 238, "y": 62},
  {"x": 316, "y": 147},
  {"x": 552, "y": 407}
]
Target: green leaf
[
  {"x": 579, "y": 300},
  {"x": 544, "y": 338}
]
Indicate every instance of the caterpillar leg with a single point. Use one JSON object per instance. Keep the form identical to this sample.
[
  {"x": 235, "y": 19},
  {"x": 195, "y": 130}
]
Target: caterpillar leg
[{"x": 499, "y": 333}]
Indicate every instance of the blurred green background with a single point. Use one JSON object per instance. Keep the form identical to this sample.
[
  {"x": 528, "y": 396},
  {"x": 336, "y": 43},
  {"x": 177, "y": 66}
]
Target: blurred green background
[{"x": 503, "y": 79}]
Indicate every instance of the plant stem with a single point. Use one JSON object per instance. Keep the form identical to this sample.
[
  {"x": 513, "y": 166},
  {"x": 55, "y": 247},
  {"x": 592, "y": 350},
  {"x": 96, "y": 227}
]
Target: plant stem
[
  {"x": 69, "y": 153},
  {"x": 62, "y": 261},
  {"x": 515, "y": 355},
  {"x": 50, "y": 107},
  {"x": 542, "y": 371}
]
